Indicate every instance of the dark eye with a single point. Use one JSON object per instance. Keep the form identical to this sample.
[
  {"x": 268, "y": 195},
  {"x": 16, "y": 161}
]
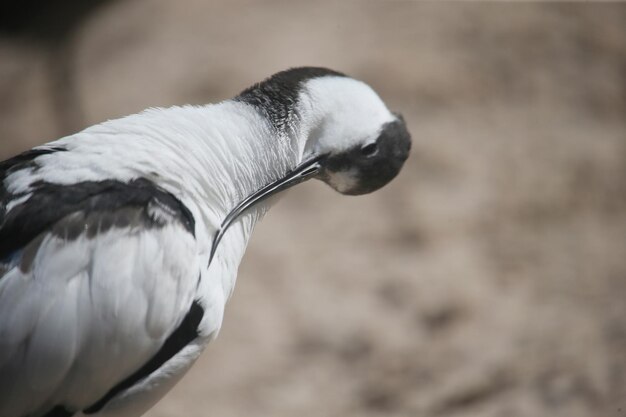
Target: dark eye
[{"x": 370, "y": 149}]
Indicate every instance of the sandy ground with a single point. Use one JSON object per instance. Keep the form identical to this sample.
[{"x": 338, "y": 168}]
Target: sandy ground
[{"x": 489, "y": 279}]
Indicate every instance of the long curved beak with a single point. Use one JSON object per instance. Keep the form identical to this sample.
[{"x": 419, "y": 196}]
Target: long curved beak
[{"x": 301, "y": 173}]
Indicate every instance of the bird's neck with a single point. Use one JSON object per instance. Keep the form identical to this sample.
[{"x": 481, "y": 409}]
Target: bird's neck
[
  {"x": 226, "y": 152},
  {"x": 216, "y": 156}
]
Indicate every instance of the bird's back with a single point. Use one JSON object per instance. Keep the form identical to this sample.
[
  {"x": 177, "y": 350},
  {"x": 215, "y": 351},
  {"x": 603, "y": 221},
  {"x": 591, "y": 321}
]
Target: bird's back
[{"x": 96, "y": 278}]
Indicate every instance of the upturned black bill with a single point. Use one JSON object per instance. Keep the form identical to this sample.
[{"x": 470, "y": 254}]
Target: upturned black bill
[{"x": 301, "y": 173}]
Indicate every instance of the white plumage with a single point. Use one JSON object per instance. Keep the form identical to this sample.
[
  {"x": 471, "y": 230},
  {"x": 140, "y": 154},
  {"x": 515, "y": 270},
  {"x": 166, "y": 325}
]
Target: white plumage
[{"x": 108, "y": 292}]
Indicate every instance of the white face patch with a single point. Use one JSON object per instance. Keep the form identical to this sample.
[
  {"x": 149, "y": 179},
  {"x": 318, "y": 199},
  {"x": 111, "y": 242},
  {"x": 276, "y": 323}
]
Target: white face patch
[
  {"x": 344, "y": 113},
  {"x": 344, "y": 181}
]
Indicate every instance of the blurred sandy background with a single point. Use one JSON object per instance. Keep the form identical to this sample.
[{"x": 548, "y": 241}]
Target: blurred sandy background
[{"x": 489, "y": 279}]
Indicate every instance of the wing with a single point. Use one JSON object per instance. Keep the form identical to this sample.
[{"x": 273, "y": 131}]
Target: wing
[{"x": 97, "y": 284}]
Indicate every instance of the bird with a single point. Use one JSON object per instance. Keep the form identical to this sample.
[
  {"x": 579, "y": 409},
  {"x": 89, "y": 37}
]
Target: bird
[{"x": 120, "y": 244}]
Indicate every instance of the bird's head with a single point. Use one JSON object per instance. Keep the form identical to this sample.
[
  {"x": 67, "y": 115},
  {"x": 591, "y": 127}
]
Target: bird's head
[
  {"x": 359, "y": 143},
  {"x": 349, "y": 138}
]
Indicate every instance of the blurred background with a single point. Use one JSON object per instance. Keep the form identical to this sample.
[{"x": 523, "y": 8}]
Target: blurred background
[{"x": 489, "y": 279}]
